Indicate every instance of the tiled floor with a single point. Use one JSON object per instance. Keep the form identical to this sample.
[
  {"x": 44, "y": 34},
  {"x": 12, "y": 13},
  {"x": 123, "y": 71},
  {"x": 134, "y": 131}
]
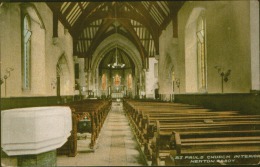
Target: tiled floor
[{"x": 116, "y": 145}]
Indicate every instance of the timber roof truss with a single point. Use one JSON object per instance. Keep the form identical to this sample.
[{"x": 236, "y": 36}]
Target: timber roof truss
[{"x": 141, "y": 22}]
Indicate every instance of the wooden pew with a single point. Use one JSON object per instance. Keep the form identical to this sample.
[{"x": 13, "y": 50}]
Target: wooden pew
[
  {"x": 136, "y": 117},
  {"x": 94, "y": 110},
  {"x": 142, "y": 123},
  {"x": 230, "y": 143},
  {"x": 227, "y": 129},
  {"x": 198, "y": 134}
]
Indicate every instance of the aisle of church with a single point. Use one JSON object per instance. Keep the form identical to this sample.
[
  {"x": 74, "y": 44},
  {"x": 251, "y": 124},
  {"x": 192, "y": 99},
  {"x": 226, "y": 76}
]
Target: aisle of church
[{"x": 116, "y": 145}]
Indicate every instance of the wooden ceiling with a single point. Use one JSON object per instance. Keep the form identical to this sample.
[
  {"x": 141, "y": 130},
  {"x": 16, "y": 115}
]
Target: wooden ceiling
[{"x": 91, "y": 22}]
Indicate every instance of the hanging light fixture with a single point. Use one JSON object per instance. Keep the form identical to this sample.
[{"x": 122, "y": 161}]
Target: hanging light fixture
[{"x": 116, "y": 64}]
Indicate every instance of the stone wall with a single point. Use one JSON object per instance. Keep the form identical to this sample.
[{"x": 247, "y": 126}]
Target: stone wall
[
  {"x": 151, "y": 77},
  {"x": 45, "y": 52},
  {"x": 227, "y": 45},
  {"x": 167, "y": 61}
]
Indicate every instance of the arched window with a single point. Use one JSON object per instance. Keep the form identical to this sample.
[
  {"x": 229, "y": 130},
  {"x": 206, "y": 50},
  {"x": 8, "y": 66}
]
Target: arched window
[
  {"x": 117, "y": 80},
  {"x": 201, "y": 53},
  {"x": 195, "y": 52},
  {"x": 173, "y": 79},
  {"x": 26, "y": 52}
]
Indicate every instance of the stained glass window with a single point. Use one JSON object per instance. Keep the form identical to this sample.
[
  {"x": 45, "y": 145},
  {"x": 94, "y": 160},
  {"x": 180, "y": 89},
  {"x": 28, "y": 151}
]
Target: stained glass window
[
  {"x": 104, "y": 82},
  {"x": 129, "y": 81},
  {"x": 117, "y": 80}
]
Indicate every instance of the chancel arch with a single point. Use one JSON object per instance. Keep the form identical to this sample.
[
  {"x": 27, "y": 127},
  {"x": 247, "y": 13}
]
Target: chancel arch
[
  {"x": 117, "y": 66},
  {"x": 130, "y": 55}
]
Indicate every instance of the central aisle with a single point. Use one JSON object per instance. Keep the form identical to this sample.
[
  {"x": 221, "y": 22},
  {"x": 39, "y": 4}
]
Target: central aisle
[{"x": 116, "y": 144}]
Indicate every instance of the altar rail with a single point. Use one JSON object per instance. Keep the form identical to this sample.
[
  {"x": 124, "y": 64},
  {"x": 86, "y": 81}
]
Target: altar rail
[{"x": 117, "y": 95}]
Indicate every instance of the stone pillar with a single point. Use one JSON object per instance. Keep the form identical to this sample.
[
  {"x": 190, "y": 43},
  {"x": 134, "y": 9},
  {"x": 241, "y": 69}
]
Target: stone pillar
[
  {"x": 88, "y": 82},
  {"x": 151, "y": 79},
  {"x": 97, "y": 90},
  {"x": 143, "y": 93}
]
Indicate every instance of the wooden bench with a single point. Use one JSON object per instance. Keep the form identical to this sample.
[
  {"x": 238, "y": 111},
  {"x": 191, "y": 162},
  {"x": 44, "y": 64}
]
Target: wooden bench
[
  {"x": 95, "y": 111},
  {"x": 159, "y": 126},
  {"x": 209, "y": 143},
  {"x": 164, "y": 140},
  {"x": 143, "y": 123}
]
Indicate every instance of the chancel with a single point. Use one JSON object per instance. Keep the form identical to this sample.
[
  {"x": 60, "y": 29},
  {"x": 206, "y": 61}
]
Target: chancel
[{"x": 130, "y": 83}]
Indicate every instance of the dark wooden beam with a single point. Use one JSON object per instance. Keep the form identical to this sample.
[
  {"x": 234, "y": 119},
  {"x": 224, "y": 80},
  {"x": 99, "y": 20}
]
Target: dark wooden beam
[
  {"x": 55, "y": 7},
  {"x": 152, "y": 26},
  {"x": 102, "y": 37},
  {"x": 174, "y": 9},
  {"x": 55, "y": 24},
  {"x": 123, "y": 15},
  {"x": 175, "y": 25},
  {"x": 127, "y": 15},
  {"x": 96, "y": 40},
  {"x": 159, "y": 8},
  {"x": 96, "y": 16},
  {"x": 79, "y": 24},
  {"x": 75, "y": 52},
  {"x": 91, "y": 16},
  {"x": 68, "y": 10},
  {"x": 127, "y": 25},
  {"x": 133, "y": 40},
  {"x": 143, "y": 11}
]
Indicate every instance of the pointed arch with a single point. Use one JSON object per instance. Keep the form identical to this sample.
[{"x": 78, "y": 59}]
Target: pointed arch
[
  {"x": 195, "y": 52},
  {"x": 32, "y": 37},
  {"x": 26, "y": 56},
  {"x": 63, "y": 75}
]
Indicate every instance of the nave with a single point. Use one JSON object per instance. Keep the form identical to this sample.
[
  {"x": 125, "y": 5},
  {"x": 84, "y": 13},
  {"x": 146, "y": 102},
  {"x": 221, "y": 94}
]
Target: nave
[
  {"x": 116, "y": 145},
  {"x": 140, "y": 133},
  {"x": 63, "y": 63}
]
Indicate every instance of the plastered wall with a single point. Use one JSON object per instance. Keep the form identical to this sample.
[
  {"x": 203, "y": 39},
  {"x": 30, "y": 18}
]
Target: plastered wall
[
  {"x": 227, "y": 44},
  {"x": 45, "y": 53},
  {"x": 167, "y": 61},
  {"x": 151, "y": 78}
]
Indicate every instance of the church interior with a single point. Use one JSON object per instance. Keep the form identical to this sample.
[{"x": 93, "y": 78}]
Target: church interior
[{"x": 130, "y": 83}]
